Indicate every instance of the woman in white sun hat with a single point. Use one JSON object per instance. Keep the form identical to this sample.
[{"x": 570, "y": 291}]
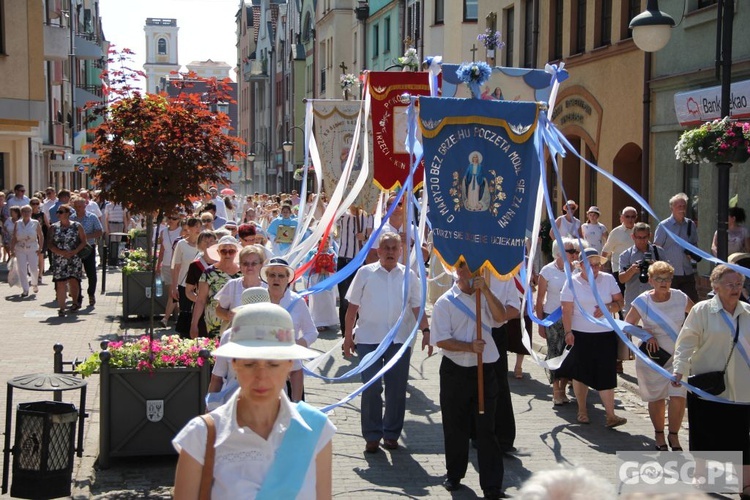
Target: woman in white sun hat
[
  {"x": 258, "y": 444},
  {"x": 279, "y": 276}
]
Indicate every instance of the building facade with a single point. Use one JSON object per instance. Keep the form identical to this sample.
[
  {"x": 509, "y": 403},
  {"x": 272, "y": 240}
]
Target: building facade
[{"x": 674, "y": 73}]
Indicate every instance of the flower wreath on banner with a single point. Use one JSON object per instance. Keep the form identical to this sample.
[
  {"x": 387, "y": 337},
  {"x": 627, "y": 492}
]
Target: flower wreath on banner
[
  {"x": 348, "y": 81},
  {"x": 474, "y": 74},
  {"x": 410, "y": 59}
]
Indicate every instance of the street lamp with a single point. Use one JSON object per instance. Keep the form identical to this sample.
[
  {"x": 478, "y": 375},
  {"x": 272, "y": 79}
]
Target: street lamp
[
  {"x": 251, "y": 154},
  {"x": 652, "y": 28},
  {"x": 654, "y": 31}
]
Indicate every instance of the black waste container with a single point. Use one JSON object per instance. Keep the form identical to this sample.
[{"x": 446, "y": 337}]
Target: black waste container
[{"x": 43, "y": 450}]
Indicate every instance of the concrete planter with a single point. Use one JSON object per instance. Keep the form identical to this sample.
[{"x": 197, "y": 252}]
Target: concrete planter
[
  {"x": 142, "y": 411},
  {"x": 136, "y": 295}
]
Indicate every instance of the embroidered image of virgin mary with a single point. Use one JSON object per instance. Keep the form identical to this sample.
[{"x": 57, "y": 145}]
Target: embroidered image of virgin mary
[{"x": 474, "y": 189}]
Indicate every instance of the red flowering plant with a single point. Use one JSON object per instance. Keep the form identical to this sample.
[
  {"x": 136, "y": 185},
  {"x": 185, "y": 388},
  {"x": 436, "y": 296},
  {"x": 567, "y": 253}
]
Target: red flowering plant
[
  {"x": 169, "y": 351},
  {"x": 717, "y": 141}
]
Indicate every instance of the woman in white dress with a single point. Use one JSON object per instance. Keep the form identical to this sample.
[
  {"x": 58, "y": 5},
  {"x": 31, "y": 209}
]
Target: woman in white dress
[
  {"x": 662, "y": 313},
  {"x": 27, "y": 243},
  {"x": 323, "y": 304}
]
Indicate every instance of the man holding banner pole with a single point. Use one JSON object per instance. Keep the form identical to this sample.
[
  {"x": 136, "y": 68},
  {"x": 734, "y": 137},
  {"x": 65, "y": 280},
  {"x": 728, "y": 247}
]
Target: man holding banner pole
[
  {"x": 376, "y": 295},
  {"x": 455, "y": 333}
]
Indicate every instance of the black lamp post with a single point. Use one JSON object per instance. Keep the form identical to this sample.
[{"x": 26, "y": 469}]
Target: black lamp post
[
  {"x": 251, "y": 155},
  {"x": 651, "y": 32}
]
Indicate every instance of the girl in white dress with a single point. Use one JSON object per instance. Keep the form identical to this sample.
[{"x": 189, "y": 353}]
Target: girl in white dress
[{"x": 594, "y": 231}]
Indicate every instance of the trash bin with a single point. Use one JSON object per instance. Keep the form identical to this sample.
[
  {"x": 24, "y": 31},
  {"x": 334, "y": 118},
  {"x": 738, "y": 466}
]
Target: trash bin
[
  {"x": 43, "y": 450},
  {"x": 118, "y": 243}
]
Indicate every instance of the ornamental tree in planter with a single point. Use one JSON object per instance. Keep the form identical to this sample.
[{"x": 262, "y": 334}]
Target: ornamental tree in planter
[{"x": 153, "y": 152}]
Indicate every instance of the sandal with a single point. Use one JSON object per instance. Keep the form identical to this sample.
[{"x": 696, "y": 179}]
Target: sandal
[
  {"x": 583, "y": 418},
  {"x": 557, "y": 400},
  {"x": 75, "y": 307},
  {"x": 616, "y": 421},
  {"x": 660, "y": 447},
  {"x": 61, "y": 313},
  {"x": 674, "y": 448}
]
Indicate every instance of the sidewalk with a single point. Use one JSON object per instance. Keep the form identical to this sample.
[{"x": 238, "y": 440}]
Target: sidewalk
[{"x": 546, "y": 435}]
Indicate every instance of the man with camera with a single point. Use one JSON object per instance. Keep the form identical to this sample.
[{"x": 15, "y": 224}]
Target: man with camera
[
  {"x": 678, "y": 257},
  {"x": 634, "y": 263}
]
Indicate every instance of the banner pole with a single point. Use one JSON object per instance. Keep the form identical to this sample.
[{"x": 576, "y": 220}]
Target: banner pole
[{"x": 480, "y": 369}]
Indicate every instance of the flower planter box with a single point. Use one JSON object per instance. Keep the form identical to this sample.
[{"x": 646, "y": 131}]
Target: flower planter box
[
  {"x": 142, "y": 411},
  {"x": 139, "y": 242},
  {"x": 136, "y": 295}
]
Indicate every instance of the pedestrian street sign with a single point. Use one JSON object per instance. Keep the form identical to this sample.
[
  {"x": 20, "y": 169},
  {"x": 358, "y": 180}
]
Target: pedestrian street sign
[{"x": 71, "y": 163}]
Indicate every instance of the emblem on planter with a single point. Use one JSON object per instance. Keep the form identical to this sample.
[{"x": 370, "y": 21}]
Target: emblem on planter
[{"x": 155, "y": 410}]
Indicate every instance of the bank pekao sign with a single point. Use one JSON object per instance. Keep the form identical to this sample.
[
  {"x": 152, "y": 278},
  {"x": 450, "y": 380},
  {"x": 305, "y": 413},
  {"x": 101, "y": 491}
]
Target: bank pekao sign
[{"x": 698, "y": 106}]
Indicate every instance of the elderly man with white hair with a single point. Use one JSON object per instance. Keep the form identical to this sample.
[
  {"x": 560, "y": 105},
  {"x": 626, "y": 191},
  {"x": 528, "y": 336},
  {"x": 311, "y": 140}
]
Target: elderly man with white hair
[
  {"x": 682, "y": 261},
  {"x": 375, "y": 304}
]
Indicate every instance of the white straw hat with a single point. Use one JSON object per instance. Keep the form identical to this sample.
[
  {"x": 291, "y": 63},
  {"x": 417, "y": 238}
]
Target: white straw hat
[
  {"x": 253, "y": 295},
  {"x": 263, "y": 331}
]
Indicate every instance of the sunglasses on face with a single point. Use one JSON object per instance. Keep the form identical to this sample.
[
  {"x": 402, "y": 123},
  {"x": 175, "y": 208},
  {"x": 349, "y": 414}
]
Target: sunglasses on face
[
  {"x": 174, "y": 218},
  {"x": 251, "y": 264},
  {"x": 228, "y": 251},
  {"x": 60, "y": 212},
  {"x": 571, "y": 250},
  {"x": 630, "y": 216}
]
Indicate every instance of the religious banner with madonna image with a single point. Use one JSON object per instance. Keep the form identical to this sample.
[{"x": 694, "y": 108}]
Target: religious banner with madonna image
[
  {"x": 391, "y": 160},
  {"x": 482, "y": 176}
]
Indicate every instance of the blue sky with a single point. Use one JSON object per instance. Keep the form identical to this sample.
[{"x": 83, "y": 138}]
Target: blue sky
[{"x": 207, "y": 27}]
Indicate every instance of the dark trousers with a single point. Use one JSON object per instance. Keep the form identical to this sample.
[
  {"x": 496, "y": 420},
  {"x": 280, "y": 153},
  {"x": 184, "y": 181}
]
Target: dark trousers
[
  {"x": 622, "y": 291},
  {"x": 376, "y": 422},
  {"x": 505, "y": 421},
  {"x": 458, "y": 404},
  {"x": 687, "y": 285},
  {"x": 89, "y": 267},
  {"x": 343, "y": 288},
  {"x": 182, "y": 326}
]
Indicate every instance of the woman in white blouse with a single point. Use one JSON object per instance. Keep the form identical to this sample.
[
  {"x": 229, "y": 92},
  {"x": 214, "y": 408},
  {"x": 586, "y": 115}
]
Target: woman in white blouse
[
  {"x": 264, "y": 445},
  {"x": 707, "y": 344},
  {"x": 27, "y": 243},
  {"x": 551, "y": 281}
]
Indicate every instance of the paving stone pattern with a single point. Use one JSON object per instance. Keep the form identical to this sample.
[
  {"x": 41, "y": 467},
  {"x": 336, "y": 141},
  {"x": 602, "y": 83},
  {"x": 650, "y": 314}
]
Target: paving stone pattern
[{"x": 548, "y": 436}]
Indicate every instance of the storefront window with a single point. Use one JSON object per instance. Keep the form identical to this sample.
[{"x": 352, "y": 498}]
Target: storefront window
[{"x": 691, "y": 189}]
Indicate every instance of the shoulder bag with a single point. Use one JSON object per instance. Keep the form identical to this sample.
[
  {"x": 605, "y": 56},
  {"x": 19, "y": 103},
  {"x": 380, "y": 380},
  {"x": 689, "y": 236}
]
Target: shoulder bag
[
  {"x": 713, "y": 382},
  {"x": 207, "y": 474}
]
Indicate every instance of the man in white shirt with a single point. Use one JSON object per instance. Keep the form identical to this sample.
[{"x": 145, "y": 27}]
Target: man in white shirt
[
  {"x": 221, "y": 208},
  {"x": 49, "y": 201},
  {"x": 376, "y": 296},
  {"x": 19, "y": 197},
  {"x": 456, "y": 335},
  {"x": 619, "y": 240}
]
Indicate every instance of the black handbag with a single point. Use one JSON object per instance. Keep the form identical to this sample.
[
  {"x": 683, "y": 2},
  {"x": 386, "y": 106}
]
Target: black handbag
[
  {"x": 713, "y": 382},
  {"x": 85, "y": 252},
  {"x": 660, "y": 357}
]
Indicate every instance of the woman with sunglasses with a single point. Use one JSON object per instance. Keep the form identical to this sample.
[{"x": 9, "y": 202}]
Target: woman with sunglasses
[
  {"x": 213, "y": 280},
  {"x": 38, "y": 215},
  {"x": 279, "y": 276},
  {"x": 595, "y": 345},
  {"x": 66, "y": 240},
  {"x": 230, "y": 295},
  {"x": 194, "y": 273},
  {"x": 551, "y": 281}
]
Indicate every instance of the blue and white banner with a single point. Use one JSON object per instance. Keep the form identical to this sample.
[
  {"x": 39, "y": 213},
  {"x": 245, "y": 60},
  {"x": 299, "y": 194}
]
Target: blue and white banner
[{"x": 482, "y": 175}]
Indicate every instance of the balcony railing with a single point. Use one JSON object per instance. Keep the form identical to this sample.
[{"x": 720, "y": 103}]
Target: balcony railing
[{"x": 255, "y": 69}]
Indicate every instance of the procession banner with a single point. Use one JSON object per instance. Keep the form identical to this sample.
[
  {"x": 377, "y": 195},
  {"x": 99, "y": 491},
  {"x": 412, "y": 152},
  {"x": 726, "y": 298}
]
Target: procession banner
[
  {"x": 333, "y": 126},
  {"x": 482, "y": 176},
  {"x": 389, "y": 125},
  {"x": 505, "y": 84}
]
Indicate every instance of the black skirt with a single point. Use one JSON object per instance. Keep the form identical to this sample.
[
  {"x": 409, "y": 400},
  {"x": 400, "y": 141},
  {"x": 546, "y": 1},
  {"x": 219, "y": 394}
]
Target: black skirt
[
  {"x": 594, "y": 359},
  {"x": 513, "y": 330},
  {"x": 719, "y": 426}
]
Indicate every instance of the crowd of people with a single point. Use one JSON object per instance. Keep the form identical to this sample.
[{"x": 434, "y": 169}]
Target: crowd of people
[{"x": 223, "y": 248}]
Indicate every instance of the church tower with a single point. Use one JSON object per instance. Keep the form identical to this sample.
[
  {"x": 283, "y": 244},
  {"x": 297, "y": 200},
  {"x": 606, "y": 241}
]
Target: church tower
[{"x": 161, "y": 50}]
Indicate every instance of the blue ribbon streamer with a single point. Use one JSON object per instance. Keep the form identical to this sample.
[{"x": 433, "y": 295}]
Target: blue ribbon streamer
[
  {"x": 547, "y": 134},
  {"x": 468, "y": 312}
]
